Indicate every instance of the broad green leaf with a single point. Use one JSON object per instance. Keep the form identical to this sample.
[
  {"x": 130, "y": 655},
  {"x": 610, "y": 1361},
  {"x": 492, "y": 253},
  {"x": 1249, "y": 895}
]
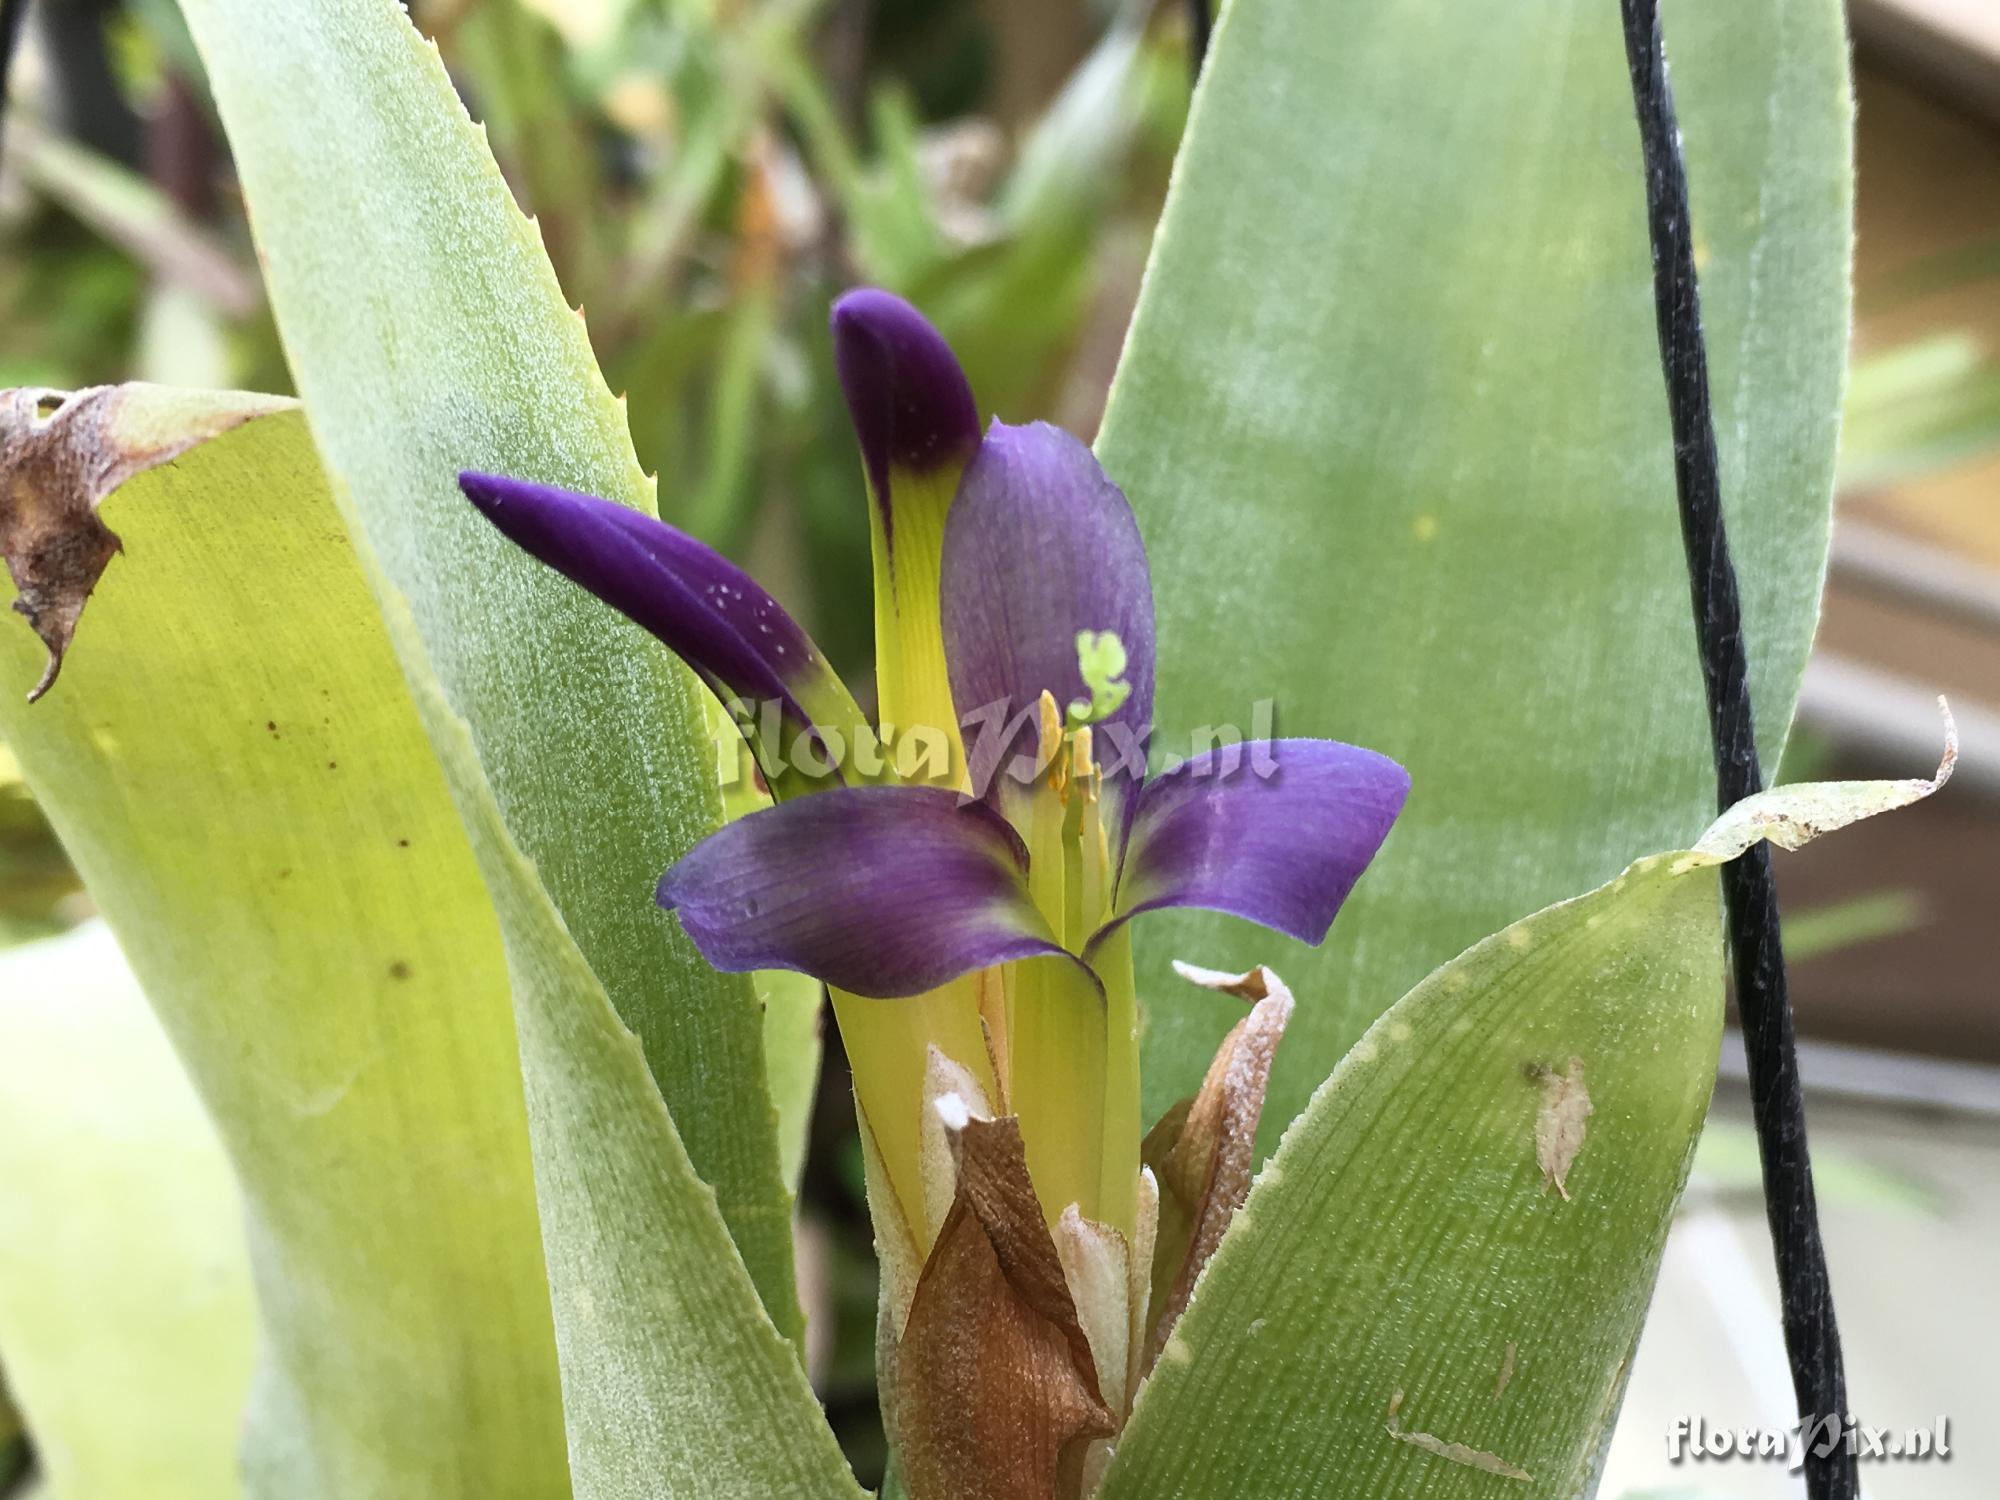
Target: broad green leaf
[
  {"x": 234, "y": 765},
  {"x": 1392, "y": 418},
  {"x": 675, "y": 1382},
  {"x": 791, "y": 1004},
  {"x": 1438, "y": 1279},
  {"x": 126, "y": 1319},
  {"x": 428, "y": 335},
  {"x": 267, "y": 824},
  {"x": 1404, "y": 1238}
]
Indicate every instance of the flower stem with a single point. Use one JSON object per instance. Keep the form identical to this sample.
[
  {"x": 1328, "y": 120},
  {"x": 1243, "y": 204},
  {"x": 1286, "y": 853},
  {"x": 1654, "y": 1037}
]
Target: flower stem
[
  {"x": 1113, "y": 962},
  {"x": 1056, "y": 1056},
  {"x": 888, "y": 1046}
]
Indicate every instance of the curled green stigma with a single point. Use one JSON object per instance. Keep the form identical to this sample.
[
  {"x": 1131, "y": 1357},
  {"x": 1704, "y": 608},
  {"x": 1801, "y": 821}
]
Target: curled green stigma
[{"x": 1100, "y": 657}]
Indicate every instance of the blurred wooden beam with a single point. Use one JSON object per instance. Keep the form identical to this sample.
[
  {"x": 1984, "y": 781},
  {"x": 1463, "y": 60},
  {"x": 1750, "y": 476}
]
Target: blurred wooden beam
[
  {"x": 1920, "y": 574},
  {"x": 1950, "y": 46}
]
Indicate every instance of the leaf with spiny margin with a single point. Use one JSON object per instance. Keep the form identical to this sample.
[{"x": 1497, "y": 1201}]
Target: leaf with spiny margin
[
  {"x": 269, "y": 831},
  {"x": 427, "y": 335},
  {"x": 691, "y": 1390}
]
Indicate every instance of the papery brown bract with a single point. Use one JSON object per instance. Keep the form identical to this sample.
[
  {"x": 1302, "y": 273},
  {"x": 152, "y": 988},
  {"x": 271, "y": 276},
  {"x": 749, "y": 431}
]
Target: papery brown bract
[
  {"x": 997, "y": 1391},
  {"x": 1202, "y": 1150}
]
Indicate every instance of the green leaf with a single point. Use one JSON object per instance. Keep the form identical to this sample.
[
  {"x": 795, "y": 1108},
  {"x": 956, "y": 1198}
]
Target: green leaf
[
  {"x": 1392, "y": 417},
  {"x": 1919, "y": 407},
  {"x": 1405, "y": 1238},
  {"x": 675, "y": 1382},
  {"x": 791, "y": 1004},
  {"x": 234, "y": 765},
  {"x": 428, "y": 335},
  {"x": 126, "y": 1318},
  {"x": 268, "y": 828},
  {"x": 1438, "y": 1280},
  {"x": 1813, "y": 932}
]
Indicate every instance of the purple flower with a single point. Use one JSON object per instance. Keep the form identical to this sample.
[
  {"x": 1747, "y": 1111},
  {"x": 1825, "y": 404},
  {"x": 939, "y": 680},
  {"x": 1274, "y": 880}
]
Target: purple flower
[
  {"x": 1014, "y": 614},
  {"x": 892, "y": 890}
]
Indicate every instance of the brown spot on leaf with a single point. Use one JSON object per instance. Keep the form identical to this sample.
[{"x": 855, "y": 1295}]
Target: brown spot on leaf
[
  {"x": 399, "y": 970},
  {"x": 1203, "y": 1148},
  {"x": 996, "y": 1392},
  {"x": 59, "y": 457},
  {"x": 1559, "y": 1122}
]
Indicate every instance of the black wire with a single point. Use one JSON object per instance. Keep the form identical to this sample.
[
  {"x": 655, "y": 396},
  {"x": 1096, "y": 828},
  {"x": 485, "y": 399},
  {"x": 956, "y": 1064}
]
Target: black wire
[
  {"x": 1812, "y": 1338},
  {"x": 1200, "y": 24},
  {"x": 12, "y": 13}
]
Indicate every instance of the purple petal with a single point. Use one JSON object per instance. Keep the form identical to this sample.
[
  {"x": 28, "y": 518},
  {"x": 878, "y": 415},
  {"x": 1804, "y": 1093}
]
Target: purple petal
[
  {"x": 1276, "y": 832},
  {"x": 880, "y": 891},
  {"x": 1040, "y": 546},
  {"x": 911, "y": 406},
  {"x": 705, "y": 608}
]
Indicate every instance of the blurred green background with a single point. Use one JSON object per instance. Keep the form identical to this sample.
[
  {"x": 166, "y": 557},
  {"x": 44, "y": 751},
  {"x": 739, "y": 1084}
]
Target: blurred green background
[{"x": 707, "y": 177}]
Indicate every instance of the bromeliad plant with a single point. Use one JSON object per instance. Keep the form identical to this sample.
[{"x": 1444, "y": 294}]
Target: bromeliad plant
[
  {"x": 962, "y": 874},
  {"x": 377, "y": 805}
]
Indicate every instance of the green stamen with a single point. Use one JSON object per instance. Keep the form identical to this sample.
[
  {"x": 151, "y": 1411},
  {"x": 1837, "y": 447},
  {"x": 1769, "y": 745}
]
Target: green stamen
[{"x": 1070, "y": 1081}]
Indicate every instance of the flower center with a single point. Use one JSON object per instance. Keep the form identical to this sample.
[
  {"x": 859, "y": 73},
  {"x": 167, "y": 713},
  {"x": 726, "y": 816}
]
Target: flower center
[{"x": 1069, "y": 852}]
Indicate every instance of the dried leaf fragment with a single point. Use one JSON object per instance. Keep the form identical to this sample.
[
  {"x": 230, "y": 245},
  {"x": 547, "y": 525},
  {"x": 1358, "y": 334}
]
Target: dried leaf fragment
[
  {"x": 997, "y": 1391},
  {"x": 1559, "y": 1122},
  {"x": 1202, "y": 1151},
  {"x": 1458, "y": 1453},
  {"x": 60, "y": 456},
  {"x": 1096, "y": 1262},
  {"x": 1793, "y": 816}
]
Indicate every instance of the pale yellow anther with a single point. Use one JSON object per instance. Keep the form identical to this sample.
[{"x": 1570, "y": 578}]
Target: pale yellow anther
[
  {"x": 1048, "y": 752},
  {"x": 1082, "y": 769},
  {"x": 1051, "y": 729}
]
